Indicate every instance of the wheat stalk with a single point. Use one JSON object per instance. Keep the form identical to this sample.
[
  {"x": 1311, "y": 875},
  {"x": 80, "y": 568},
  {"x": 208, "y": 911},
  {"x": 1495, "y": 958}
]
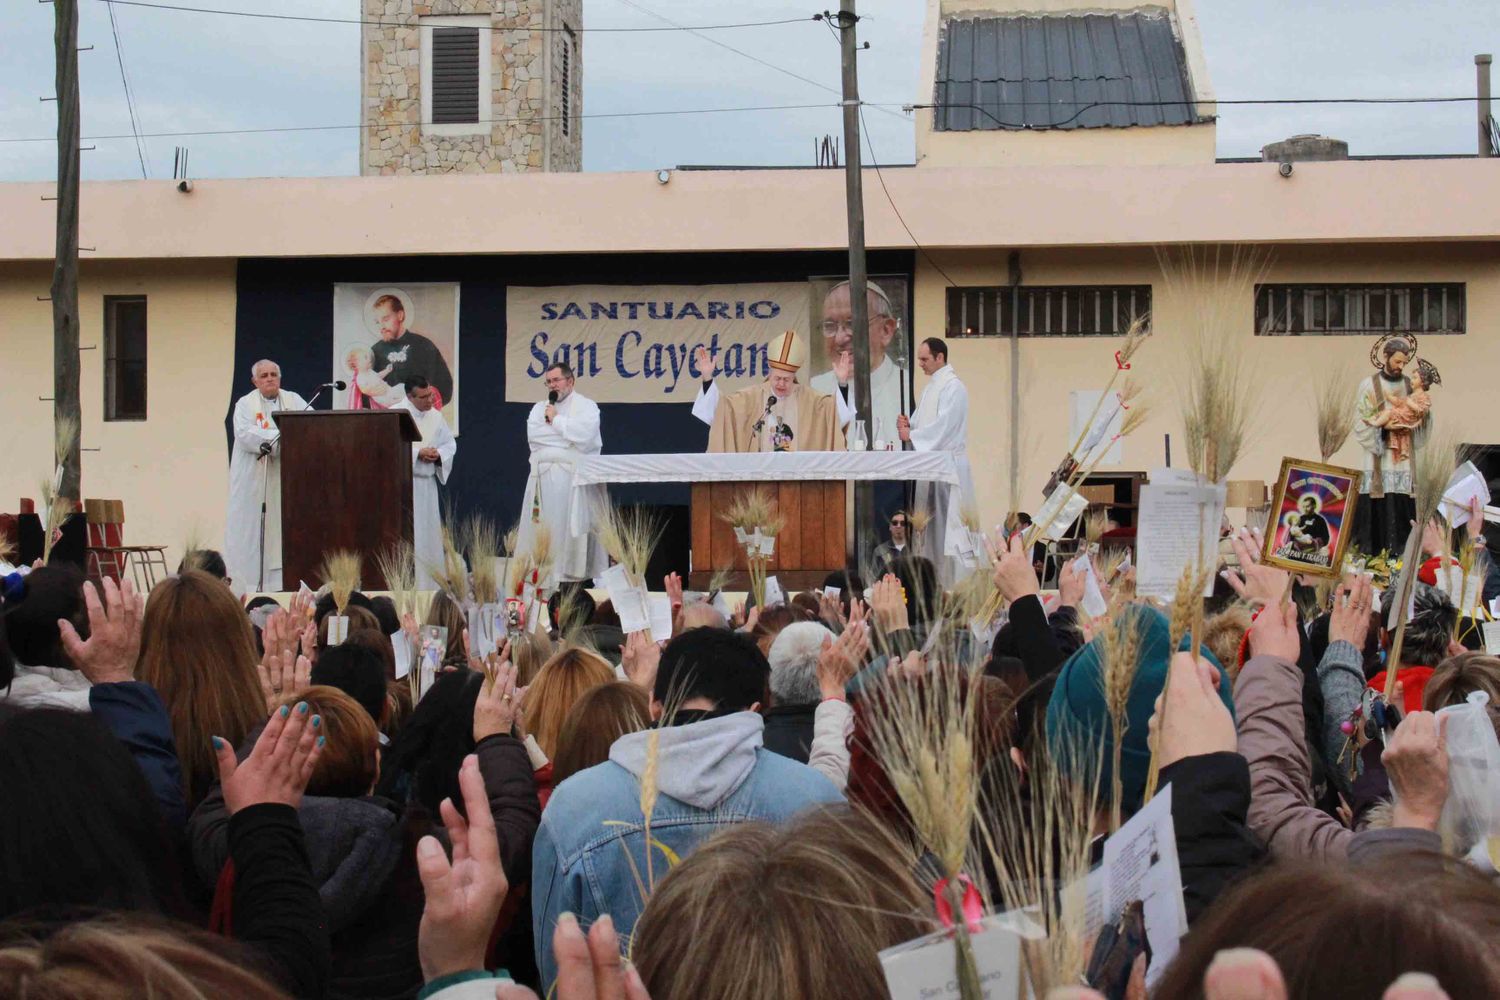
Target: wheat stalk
[
  {"x": 923, "y": 734},
  {"x": 482, "y": 545},
  {"x": 1336, "y": 395},
  {"x": 1119, "y": 659},
  {"x": 1038, "y": 841},
  {"x": 1185, "y": 619},
  {"x": 1135, "y": 336},
  {"x": 397, "y": 563},
  {"x": 1432, "y": 465},
  {"x": 1217, "y": 401},
  {"x": 629, "y": 535},
  {"x": 341, "y": 569}
]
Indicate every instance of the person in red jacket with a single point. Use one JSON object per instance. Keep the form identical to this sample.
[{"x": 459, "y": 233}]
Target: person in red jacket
[{"x": 1428, "y": 641}]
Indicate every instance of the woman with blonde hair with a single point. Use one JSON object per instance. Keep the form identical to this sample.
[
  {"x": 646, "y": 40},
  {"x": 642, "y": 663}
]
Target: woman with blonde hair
[
  {"x": 198, "y": 652},
  {"x": 548, "y": 700}
]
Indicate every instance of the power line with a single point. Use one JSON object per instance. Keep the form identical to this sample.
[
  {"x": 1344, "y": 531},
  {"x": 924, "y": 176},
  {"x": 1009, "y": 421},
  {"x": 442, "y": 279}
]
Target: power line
[
  {"x": 410, "y": 24},
  {"x": 135, "y": 129},
  {"x": 742, "y": 53},
  {"x": 1042, "y": 126},
  {"x": 875, "y": 162},
  {"x": 378, "y": 125}
]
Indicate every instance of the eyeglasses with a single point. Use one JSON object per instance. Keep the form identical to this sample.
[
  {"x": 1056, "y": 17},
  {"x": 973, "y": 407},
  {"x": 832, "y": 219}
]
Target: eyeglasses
[
  {"x": 834, "y": 327},
  {"x": 897, "y": 523}
]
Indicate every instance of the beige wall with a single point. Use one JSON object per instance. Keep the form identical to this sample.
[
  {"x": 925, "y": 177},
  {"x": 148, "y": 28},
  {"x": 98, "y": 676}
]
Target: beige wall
[
  {"x": 170, "y": 469},
  {"x": 1079, "y": 147},
  {"x": 1283, "y": 368}
]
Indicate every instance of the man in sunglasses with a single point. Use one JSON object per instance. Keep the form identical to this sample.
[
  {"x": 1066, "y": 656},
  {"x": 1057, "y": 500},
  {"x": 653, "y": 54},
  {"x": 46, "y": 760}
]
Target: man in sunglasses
[{"x": 889, "y": 551}]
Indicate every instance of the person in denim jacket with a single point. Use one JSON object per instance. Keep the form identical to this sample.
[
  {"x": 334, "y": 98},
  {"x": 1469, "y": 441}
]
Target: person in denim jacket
[{"x": 700, "y": 769}]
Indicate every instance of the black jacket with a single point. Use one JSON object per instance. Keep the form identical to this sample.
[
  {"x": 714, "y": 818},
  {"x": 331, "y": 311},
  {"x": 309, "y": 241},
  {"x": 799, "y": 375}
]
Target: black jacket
[
  {"x": 1210, "y": 803},
  {"x": 789, "y": 730},
  {"x": 275, "y": 910},
  {"x": 363, "y": 861}
]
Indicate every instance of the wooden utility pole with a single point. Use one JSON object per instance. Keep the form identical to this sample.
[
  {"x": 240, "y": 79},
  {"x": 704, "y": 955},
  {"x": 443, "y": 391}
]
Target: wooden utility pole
[
  {"x": 864, "y": 494},
  {"x": 65, "y": 391}
]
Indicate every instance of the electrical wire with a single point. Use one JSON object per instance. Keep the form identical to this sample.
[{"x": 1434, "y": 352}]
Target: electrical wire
[
  {"x": 408, "y": 24},
  {"x": 1043, "y": 126},
  {"x": 379, "y": 125},
  {"x": 740, "y": 52},
  {"x": 875, "y": 162},
  {"x": 135, "y": 129}
]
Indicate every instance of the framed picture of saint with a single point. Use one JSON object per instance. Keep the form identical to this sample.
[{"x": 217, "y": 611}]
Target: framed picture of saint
[{"x": 1311, "y": 513}]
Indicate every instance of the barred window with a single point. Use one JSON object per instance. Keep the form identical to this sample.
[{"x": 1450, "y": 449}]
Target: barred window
[
  {"x": 1335, "y": 310},
  {"x": 1046, "y": 310}
]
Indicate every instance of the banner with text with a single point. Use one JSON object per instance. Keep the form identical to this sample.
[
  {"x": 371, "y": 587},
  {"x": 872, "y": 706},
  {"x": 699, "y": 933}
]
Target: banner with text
[{"x": 635, "y": 343}]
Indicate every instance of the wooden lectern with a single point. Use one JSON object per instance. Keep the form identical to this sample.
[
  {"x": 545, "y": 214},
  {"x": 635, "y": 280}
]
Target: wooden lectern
[
  {"x": 811, "y": 544},
  {"x": 345, "y": 484}
]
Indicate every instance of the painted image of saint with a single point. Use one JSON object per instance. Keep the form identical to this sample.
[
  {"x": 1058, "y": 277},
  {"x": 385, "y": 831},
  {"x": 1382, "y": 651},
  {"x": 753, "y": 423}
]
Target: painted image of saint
[
  {"x": 1308, "y": 536},
  {"x": 401, "y": 353}
]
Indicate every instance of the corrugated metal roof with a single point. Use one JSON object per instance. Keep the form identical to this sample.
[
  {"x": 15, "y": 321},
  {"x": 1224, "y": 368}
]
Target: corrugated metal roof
[{"x": 1061, "y": 71}]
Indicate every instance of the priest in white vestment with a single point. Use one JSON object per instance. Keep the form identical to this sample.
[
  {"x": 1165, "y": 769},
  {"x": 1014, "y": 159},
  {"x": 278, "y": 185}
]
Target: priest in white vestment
[
  {"x": 561, "y": 431},
  {"x": 431, "y": 464},
  {"x": 255, "y": 478},
  {"x": 889, "y": 398},
  {"x": 941, "y": 423}
]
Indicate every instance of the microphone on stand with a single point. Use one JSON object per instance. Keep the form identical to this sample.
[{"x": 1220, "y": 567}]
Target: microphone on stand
[
  {"x": 339, "y": 384},
  {"x": 770, "y": 404}
]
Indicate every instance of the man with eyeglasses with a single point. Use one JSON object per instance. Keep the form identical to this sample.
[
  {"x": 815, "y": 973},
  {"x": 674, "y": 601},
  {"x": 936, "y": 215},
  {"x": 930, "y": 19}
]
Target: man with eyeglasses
[
  {"x": 561, "y": 430},
  {"x": 888, "y": 380},
  {"x": 888, "y": 552}
]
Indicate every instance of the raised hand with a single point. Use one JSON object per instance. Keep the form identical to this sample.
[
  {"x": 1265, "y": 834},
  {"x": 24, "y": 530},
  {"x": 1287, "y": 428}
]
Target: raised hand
[
  {"x": 282, "y": 675},
  {"x": 463, "y": 897},
  {"x": 114, "y": 642},
  {"x": 1352, "y": 603},
  {"x": 639, "y": 658},
  {"x": 496, "y": 708},
  {"x": 704, "y": 361},
  {"x": 1070, "y": 583},
  {"x": 839, "y": 661},
  {"x": 1276, "y": 632},
  {"x": 1196, "y": 721},
  {"x": 588, "y": 968},
  {"x": 1416, "y": 760},
  {"x": 279, "y": 767},
  {"x": 673, "y": 585},
  {"x": 1014, "y": 576},
  {"x": 888, "y": 605},
  {"x": 1257, "y": 584},
  {"x": 843, "y": 367}
]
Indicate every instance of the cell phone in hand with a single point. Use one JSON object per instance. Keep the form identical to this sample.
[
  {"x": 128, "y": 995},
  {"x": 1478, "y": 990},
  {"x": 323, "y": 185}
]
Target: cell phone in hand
[{"x": 1115, "y": 951}]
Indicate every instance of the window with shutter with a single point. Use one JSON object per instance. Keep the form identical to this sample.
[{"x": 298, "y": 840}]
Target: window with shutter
[
  {"x": 455, "y": 75},
  {"x": 455, "y": 57}
]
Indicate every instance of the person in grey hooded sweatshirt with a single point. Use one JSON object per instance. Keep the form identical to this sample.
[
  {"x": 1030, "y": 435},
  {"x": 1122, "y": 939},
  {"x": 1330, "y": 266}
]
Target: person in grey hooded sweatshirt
[{"x": 702, "y": 767}]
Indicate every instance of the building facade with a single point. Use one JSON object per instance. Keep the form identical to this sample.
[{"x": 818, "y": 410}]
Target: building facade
[
  {"x": 1349, "y": 249},
  {"x": 471, "y": 86}
]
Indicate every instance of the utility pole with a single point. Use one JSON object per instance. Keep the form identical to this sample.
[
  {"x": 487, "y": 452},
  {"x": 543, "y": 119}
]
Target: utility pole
[
  {"x": 65, "y": 391},
  {"x": 864, "y": 494}
]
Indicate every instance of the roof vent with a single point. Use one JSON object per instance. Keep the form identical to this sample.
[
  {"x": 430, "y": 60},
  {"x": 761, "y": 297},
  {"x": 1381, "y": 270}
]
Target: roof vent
[{"x": 1305, "y": 148}]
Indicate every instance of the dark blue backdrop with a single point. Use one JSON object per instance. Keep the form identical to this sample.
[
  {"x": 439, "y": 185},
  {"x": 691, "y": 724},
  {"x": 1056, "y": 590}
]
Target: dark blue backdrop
[{"x": 284, "y": 311}]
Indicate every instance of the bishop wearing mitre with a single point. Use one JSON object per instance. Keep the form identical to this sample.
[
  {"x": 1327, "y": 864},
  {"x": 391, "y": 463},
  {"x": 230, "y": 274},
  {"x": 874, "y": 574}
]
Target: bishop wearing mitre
[{"x": 777, "y": 415}]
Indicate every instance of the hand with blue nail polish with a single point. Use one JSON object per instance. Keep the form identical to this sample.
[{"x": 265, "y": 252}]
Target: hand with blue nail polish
[{"x": 279, "y": 767}]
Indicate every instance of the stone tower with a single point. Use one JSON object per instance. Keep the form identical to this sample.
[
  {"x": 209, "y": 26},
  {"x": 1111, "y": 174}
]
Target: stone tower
[{"x": 471, "y": 86}]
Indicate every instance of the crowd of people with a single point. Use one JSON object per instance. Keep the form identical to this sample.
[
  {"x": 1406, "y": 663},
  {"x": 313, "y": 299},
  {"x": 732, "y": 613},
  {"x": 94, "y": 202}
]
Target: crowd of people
[{"x": 204, "y": 799}]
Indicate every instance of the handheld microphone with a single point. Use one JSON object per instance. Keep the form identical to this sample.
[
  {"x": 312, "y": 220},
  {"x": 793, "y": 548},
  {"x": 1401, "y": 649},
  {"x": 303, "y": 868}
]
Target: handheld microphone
[{"x": 552, "y": 395}]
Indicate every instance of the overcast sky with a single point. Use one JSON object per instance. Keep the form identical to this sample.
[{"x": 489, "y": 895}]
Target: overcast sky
[{"x": 200, "y": 72}]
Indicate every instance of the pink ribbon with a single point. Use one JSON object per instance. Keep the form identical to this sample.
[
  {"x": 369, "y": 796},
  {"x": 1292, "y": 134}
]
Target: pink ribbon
[{"x": 972, "y": 905}]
